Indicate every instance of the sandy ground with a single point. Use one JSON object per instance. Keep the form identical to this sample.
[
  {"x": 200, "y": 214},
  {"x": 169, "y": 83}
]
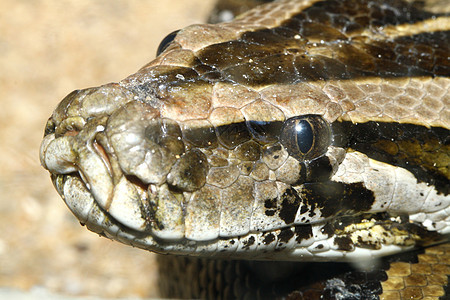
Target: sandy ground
[{"x": 47, "y": 49}]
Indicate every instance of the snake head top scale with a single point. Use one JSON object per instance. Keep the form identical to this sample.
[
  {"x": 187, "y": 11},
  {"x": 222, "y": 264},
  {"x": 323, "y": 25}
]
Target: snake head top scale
[{"x": 302, "y": 130}]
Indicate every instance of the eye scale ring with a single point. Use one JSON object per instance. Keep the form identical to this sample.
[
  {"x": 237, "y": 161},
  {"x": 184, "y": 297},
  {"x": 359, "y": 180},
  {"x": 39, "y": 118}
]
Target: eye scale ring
[{"x": 306, "y": 137}]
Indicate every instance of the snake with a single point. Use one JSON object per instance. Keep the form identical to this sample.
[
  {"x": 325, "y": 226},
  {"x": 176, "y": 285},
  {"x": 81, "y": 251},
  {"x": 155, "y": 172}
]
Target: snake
[{"x": 302, "y": 139}]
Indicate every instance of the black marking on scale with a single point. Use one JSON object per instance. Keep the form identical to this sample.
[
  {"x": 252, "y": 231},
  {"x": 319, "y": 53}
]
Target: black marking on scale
[
  {"x": 336, "y": 198},
  {"x": 290, "y": 202},
  {"x": 281, "y": 55},
  {"x": 285, "y": 235},
  {"x": 303, "y": 232},
  {"x": 268, "y": 238}
]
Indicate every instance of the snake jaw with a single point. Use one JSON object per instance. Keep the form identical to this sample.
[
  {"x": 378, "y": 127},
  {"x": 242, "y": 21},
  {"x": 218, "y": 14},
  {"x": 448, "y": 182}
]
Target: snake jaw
[
  {"x": 85, "y": 172},
  {"x": 195, "y": 152},
  {"x": 111, "y": 170}
]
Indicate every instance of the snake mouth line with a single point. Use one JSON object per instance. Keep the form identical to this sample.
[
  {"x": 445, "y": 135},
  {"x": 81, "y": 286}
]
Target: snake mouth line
[
  {"x": 339, "y": 239},
  {"x": 341, "y": 235}
]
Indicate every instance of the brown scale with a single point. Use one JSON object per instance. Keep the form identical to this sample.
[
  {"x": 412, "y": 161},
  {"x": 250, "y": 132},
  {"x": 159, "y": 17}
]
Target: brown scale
[
  {"x": 317, "y": 44},
  {"x": 325, "y": 48}
]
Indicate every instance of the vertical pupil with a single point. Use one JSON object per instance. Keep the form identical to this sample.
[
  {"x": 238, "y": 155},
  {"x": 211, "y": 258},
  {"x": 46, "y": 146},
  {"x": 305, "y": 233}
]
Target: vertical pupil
[{"x": 304, "y": 135}]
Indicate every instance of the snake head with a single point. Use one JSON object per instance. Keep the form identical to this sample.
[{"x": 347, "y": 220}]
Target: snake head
[
  {"x": 271, "y": 142},
  {"x": 136, "y": 169},
  {"x": 124, "y": 166}
]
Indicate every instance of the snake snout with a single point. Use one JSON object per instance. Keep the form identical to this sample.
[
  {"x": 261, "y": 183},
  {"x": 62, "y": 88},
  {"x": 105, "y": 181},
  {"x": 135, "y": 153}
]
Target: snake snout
[
  {"x": 78, "y": 152},
  {"x": 128, "y": 167}
]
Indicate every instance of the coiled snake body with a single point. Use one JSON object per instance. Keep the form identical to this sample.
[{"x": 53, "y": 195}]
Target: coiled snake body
[{"x": 302, "y": 131}]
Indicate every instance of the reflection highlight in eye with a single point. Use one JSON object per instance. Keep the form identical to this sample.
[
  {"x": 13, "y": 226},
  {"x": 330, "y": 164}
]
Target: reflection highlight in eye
[{"x": 306, "y": 137}]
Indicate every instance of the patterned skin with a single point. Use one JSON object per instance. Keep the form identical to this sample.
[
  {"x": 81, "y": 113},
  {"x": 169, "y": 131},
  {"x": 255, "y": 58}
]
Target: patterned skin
[{"x": 302, "y": 130}]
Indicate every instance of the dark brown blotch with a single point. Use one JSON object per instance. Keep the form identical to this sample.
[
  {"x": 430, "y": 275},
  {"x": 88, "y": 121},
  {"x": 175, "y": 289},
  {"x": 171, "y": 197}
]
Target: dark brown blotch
[
  {"x": 223, "y": 55},
  {"x": 203, "y": 137},
  {"x": 248, "y": 243},
  {"x": 344, "y": 243},
  {"x": 303, "y": 232},
  {"x": 335, "y": 198},
  {"x": 366, "y": 244},
  {"x": 269, "y": 238},
  {"x": 233, "y": 135},
  {"x": 270, "y": 206},
  {"x": 265, "y": 132},
  {"x": 321, "y": 32},
  {"x": 272, "y": 69},
  {"x": 311, "y": 68},
  {"x": 270, "y": 203},
  {"x": 328, "y": 230},
  {"x": 285, "y": 235},
  {"x": 290, "y": 202},
  {"x": 318, "y": 170}
]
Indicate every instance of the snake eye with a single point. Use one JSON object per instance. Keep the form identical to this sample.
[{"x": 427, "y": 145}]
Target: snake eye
[
  {"x": 166, "y": 42},
  {"x": 306, "y": 137}
]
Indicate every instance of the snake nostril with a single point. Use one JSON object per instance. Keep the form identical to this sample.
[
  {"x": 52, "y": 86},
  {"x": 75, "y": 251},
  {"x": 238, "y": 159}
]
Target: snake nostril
[
  {"x": 50, "y": 127},
  {"x": 71, "y": 133},
  {"x": 70, "y": 126}
]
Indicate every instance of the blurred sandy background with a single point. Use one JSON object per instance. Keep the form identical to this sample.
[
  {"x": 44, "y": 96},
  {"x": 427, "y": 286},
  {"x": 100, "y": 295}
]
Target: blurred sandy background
[{"x": 47, "y": 49}]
